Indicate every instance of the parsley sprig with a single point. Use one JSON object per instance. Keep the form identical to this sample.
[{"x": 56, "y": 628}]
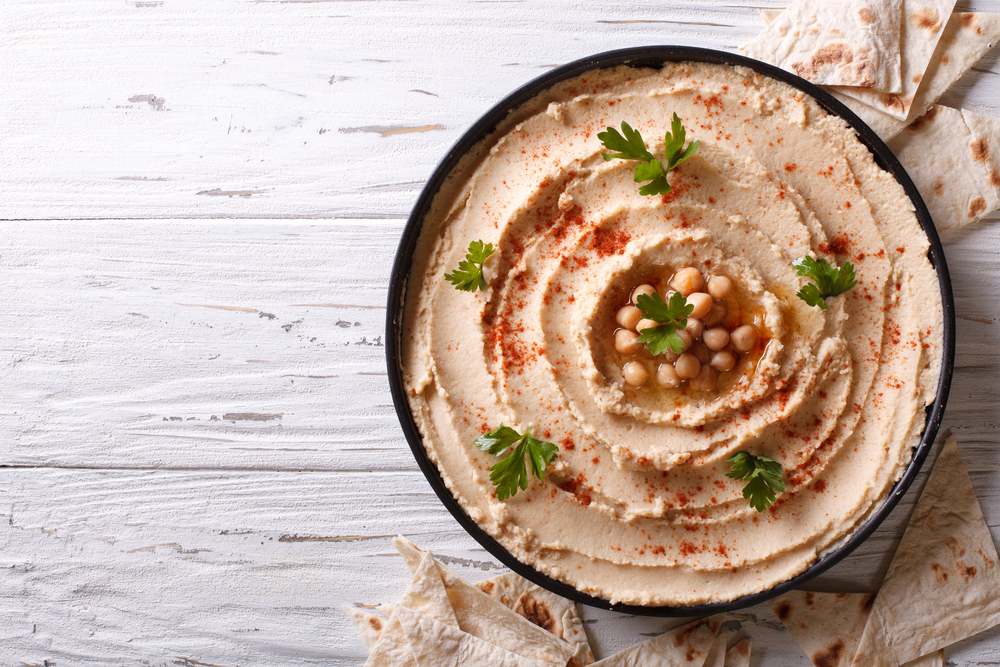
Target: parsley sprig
[
  {"x": 510, "y": 473},
  {"x": 469, "y": 276},
  {"x": 632, "y": 147},
  {"x": 827, "y": 280},
  {"x": 672, "y": 316},
  {"x": 763, "y": 477}
]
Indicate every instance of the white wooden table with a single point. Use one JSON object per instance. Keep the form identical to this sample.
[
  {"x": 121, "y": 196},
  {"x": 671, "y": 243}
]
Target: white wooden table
[{"x": 199, "y": 459}]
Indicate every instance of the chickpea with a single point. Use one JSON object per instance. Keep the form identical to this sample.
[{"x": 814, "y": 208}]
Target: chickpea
[
  {"x": 627, "y": 342},
  {"x": 716, "y": 315},
  {"x": 628, "y": 317},
  {"x": 705, "y": 380},
  {"x": 702, "y": 303},
  {"x": 635, "y": 374},
  {"x": 715, "y": 338},
  {"x": 744, "y": 338},
  {"x": 687, "y": 280},
  {"x": 671, "y": 356},
  {"x": 687, "y": 366},
  {"x": 645, "y": 324},
  {"x": 701, "y": 352},
  {"x": 723, "y": 361},
  {"x": 720, "y": 287},
  {"x": 695, "y": 328},
  {"x": 640, "y": 290},
  {"x": 685, "y": 338},
  {"x": 666, "y": 376}
]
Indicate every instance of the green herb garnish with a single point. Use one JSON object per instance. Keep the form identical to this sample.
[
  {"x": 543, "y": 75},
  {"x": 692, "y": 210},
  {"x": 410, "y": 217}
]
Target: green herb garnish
[
  {"x": 671, "y": 317},
  {"x": 632, "y": 147},
  {"x": 763, "y": 477},
  {"x": 829, "y": 281},
  {"x": 509, "y": 473},
  {"x": 469, "y": 276}
]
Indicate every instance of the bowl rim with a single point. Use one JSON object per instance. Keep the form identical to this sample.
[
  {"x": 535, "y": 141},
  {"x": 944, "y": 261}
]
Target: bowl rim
[{"x": 656, "y": 57}]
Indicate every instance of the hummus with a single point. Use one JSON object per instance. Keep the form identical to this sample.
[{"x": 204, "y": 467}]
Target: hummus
[{"x": 636, "y": 508}]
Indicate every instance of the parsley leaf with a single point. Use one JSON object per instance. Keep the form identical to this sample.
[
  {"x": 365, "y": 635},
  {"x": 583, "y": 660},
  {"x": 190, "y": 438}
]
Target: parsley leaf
[
  {"x": 630, "y": 146},
  {"x": 469, "y": 276},
  {"x": 672, "y": 316},
  {"x": 510, "y": 473},
  {"x": 763, "y": 477},
  {"x": 829, "y": 281}
]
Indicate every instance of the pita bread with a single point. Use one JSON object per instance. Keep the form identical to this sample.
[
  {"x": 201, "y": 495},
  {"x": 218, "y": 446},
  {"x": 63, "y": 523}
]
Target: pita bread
[
  {"x": 951, "y": 167},
  {"x": 967, "y": 37},
  {"x": 505, "y": 588},
  {"x": 392, "y": 649},
  {"x": 426, "y": 593},
  {"x": 369, "y": 626},
  {"x": 739, "y": 655},
  {"x": 687, "y": 645},
  {"x": 485, "y": 618},
  {"x": 559, "y": 616},
  {"x": 436, "y": 644},
  {"x": 836, "y": 42},
  {"x": 827, "y": 626},
  {"x": 942, "y": 584},
  {"x": 717, "y": 654},
  {"x": 920, "y": 31}
]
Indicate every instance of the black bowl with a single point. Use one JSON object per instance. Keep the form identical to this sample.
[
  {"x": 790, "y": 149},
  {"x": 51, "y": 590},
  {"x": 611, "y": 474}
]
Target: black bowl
[{"x": 655, "y": 57}]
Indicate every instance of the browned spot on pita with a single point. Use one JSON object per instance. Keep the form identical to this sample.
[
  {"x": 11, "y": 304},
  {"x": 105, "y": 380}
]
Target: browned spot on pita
[
  {"x": 809, "y": 599},
  {"x": 830, "y": 656},
  {"x": 841, "y": 596},
  {"x": 939, "y": 572},
  {"x": 917, "y": 78},
  {"x": 945, "y": 58},
  {"x": 538, "y": 612},
  {"x": 573, "y": 663},
  {"x": 683, "y": 638},
  {"x": 865, "y": 605},
  {"x": 375, "y": 623},
  {"x": 866, "y": 15},
  {"x": 986, "y": 559},
  {"x": 976, "y": 207},
  {"x": 926, "y": 18},
  {"x": 967, "y": 20},
  {"x": 919, "y": 124},
  {"x": 783, "y": 609},
  {"x": 831, "y": 54},
  {"x": 743, "y": 648},
  {"x": 487, "y": 587},
  {"x": 994, "y": 178},
  {"x": 939, "y": 187},
  {"x": 979, "y": 150},
  {"x": 864, "y": 68},
  {"x": 893, "y": 101},
  {"x": 967, "y": 571},
  {"x": 956, "y": 546}
]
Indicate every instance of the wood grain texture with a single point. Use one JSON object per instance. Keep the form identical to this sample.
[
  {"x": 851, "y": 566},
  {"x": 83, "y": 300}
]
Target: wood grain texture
[{"x": 199, "y": 459}]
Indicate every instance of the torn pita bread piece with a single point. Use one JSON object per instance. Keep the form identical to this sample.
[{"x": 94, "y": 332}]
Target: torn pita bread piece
[
  {"x": 827, "y": 626},
  {"x": 558, "y": 616},
  {"x": 543, "y": 608},
  {"x": 836, "y": 42},
  {"x": 966, "y": 38},
  {"x": 942, "y": 584},
  {"x": 739, "y": 655},
  {"x": 920, "y": 31},
  {"x": 687, "y": 645},
  {"x": 483, "y": 617},
  {"x": 717, "y": 653},
  {"x": 505, "y": 588},
  {"x": 436, "y": 644},
  {"x": 391, "y": 649},
  {"x": 369, "y": 626},
  {"x": 952, "y": 168}
]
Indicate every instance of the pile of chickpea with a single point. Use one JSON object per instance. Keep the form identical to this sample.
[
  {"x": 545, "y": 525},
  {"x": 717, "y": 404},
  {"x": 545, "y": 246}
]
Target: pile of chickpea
[{"x": 709, "y": 347}]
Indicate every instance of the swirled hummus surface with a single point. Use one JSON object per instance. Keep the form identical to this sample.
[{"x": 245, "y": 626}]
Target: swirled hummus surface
[{"x": 636, "y": 508}]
